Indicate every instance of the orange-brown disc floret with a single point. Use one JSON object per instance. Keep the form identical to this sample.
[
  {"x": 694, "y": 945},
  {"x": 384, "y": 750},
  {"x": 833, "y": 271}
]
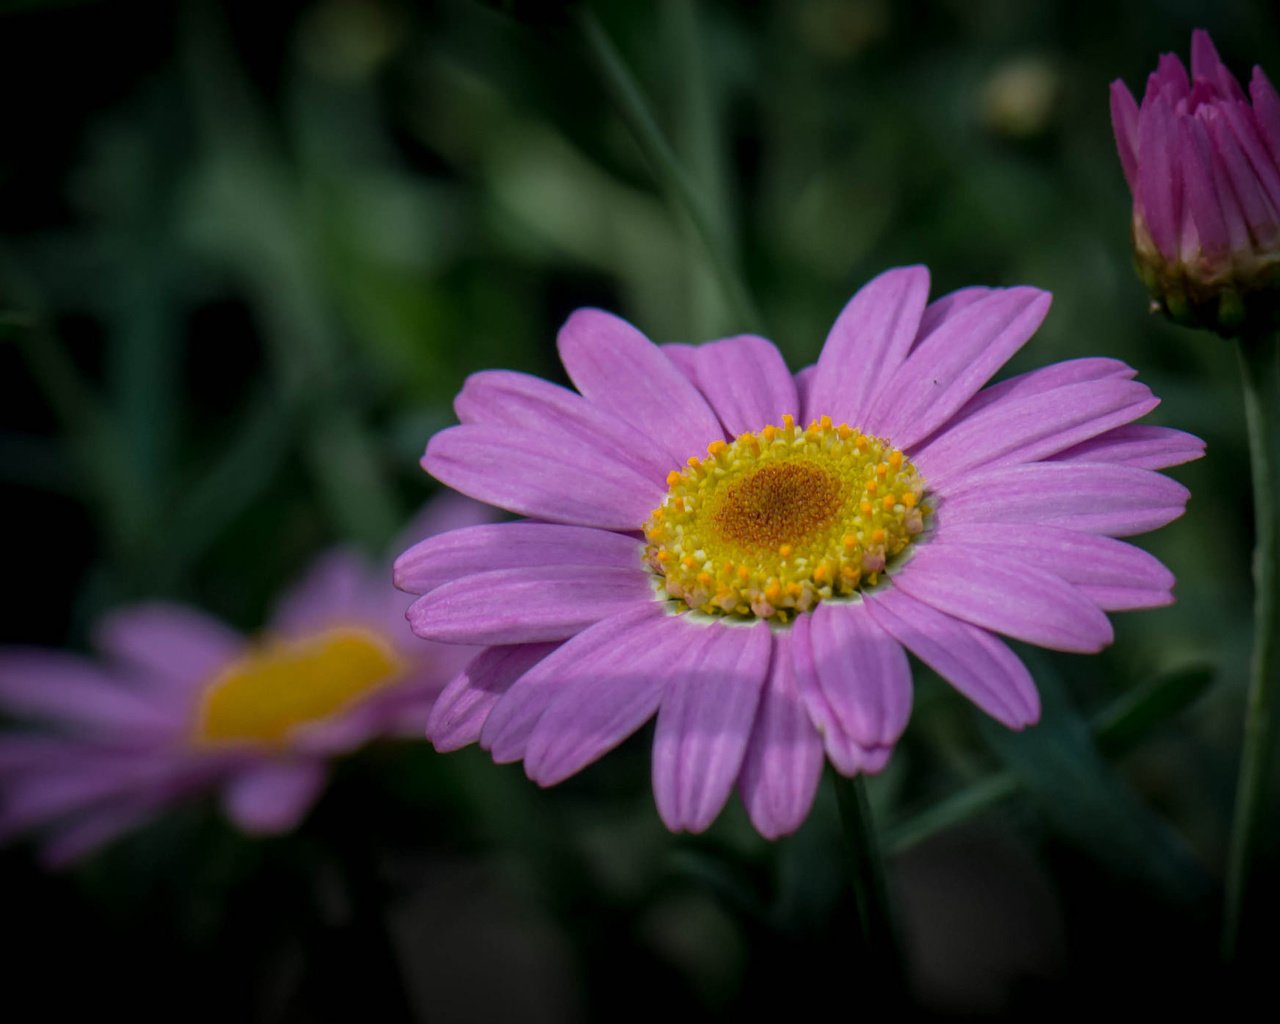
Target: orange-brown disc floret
[{"x": 770, "y": 524}]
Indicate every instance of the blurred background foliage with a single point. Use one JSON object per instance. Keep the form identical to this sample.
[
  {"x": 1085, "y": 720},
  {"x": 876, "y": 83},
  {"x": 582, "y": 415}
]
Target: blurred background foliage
[{"x": 250, "y": 251}]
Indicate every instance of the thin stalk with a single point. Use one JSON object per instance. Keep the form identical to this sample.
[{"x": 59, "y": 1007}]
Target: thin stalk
[
  {"x": 1260, "y": 377},
  {"x": 963, "y": 806},
  {"x": 637, "y": 112},
  {"x": 867, "y": 878}
]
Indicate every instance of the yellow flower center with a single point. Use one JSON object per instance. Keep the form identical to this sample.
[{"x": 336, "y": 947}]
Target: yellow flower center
[
  {"x": 774, "y": 522},
  {"x": 280, "y": 686}
]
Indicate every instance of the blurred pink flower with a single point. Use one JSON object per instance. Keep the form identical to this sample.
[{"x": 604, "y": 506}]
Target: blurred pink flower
[
  {"x": 1203, "y": 164},
  {"x": 182, "y": 705},
  {"x": 697, "y": 553}
]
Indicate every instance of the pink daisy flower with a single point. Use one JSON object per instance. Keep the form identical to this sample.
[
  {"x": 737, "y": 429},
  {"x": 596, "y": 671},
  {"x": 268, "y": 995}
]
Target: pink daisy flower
[
  {"x": 183, "y": 705},
  {"x": 750, "y": 554}
]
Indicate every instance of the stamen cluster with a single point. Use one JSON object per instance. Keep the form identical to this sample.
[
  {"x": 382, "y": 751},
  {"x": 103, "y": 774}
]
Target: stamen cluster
[{"x": 770, "y": 524}]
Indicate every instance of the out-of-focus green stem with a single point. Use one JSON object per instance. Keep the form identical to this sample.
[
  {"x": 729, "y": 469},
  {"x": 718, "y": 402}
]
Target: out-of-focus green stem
[
  {"x": 638, "y": 115},
  {"x": 866, "y": 876},
  {"x": 697, "y": 139},
  {"x": 1260, "y": 376}
]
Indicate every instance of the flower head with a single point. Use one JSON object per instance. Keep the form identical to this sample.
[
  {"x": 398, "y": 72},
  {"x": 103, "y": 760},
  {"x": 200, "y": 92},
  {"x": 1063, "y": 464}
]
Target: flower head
[
  {"x": 1203, "y": 164},
  {"x": 182, "y": 705},
  {"x": 750, "y": 554}
]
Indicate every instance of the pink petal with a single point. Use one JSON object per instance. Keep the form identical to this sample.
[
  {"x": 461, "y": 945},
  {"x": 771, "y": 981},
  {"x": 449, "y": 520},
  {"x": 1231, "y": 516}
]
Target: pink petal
[
  {"x": 1025, "y": 429},
  {"x": 1251, "y": 164},
  {"x": 1098, "y": 565},
  {"x": 617, "y": 368},
  {"x": 555, "y": 479},
  {"x": 73, "y": 692},
  {"x": 341, "y": 587},
  {"x": 943, "y": 308},
  {"x": 600, "y": 701},
  {"x": 705, "y": 723},
  {"x": 1115, "y": 500},
  {"x": 505, "y": 398},
  {"x": 783, "y": 762},
  {"x": 527, "y": 605},
  {"x": 1266, "y": 110},
  {"x": 1137, "y": 445},
  {"x": 592, "y": 654},
  {"x": 970, "y": 659},
  {"x": 1124, "y": 122},
  {"x": 847, "y": 755},
  {"x": 1040, "y": 381},
  {"x": 862, "y": 672},
  {"x": 460, "y": 712},
  {"x": 171, "y": 642},
  {"x": 1005, "y": 596},
  {"x": 275, "y": 795},
  {"x": 1168, "y": 81},
  {"x": 868, "y": 342},
  {"x": 1204, "y": 205},
  {"x": 804, "y": 383},
  {"x": 1159, "y": 191},
  {"x": 1207, "y": 66},
  {"x": 85, "y": 777},
  {"x": 681, "y": 355},
  {"x": 946, "y": 369},
  {"x": 450, "y": 556},
  {"x": 747, "y": 383}
]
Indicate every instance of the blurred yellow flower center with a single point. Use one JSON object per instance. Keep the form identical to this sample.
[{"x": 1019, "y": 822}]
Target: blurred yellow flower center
[
  {"x": 774, "y": 522},
  {"x": 281, "y": 685}
]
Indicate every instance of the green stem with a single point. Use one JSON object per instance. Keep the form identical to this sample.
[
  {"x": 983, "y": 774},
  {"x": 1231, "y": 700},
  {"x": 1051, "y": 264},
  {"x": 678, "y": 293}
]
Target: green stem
[
  {"x": 638, "y": 115},
  {"x": 867, "y": 878},
  {"x": 963, "y": 806},
  {"x": 1260, "y": 377}
]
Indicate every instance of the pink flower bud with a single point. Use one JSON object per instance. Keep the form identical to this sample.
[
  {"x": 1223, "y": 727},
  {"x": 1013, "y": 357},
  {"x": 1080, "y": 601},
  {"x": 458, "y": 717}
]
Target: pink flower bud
[{"x": 1203, "y": 165}]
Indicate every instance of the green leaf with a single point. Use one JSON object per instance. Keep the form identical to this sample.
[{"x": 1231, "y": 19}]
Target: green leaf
[{"x": 1086, "y": 802}]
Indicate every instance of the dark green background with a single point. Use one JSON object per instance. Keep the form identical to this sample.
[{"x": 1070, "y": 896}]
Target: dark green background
[{"x": 249, "y": 252}]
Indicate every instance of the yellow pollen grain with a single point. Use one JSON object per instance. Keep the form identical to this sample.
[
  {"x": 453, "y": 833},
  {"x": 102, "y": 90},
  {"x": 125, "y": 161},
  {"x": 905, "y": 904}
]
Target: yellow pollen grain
[{"x": 774, "y": 522}]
